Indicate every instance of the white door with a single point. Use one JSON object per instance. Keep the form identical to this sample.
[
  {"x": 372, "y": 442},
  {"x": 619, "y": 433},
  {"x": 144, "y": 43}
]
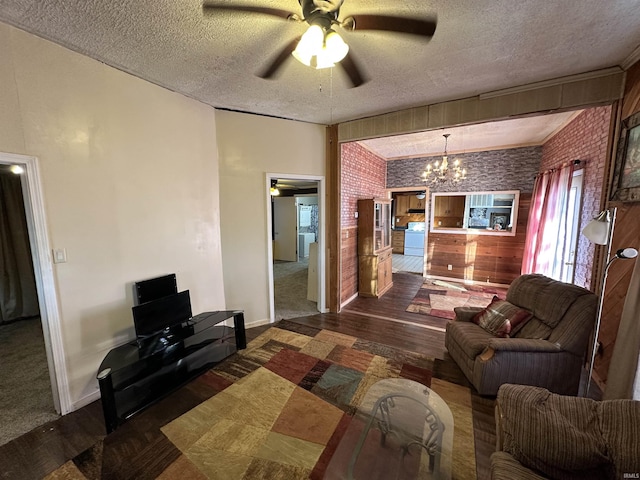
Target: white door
[
  {"x": 573, "y": 221},
  {"x": 285, "y": 234}
]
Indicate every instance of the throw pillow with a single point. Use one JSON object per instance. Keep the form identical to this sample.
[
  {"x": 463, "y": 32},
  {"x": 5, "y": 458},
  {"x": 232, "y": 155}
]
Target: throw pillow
[{"x": 500, "y": 318}]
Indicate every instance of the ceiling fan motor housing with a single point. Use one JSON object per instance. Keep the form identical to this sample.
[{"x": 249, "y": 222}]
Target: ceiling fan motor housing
[{"x": 321, "y": 13}]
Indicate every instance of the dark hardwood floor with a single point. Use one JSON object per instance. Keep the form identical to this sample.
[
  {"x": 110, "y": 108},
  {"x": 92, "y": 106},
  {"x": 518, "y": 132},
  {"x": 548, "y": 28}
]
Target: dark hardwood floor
[{"x": 384, "y": 320}]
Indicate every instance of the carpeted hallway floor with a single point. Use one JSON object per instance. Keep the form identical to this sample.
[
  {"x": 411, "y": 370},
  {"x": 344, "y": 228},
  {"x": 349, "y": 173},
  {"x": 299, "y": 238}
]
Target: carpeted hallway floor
[
  {"x": 26, "y": 400},
  {"x": 290, "y": 290}
]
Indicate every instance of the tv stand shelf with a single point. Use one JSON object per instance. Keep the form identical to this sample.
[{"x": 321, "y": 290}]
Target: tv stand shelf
[{"x": 139, "y": 373}]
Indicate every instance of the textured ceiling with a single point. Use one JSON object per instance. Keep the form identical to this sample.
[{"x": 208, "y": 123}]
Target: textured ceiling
[
  {"x": 520, "y": 132},
  {"x": 479, "y": 46}
]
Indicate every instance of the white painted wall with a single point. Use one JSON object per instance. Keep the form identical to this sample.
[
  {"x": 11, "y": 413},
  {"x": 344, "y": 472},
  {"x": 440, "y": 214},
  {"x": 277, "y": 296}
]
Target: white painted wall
[
  {"x": 249, "y": 146},
  {"x": 130, "y": 179}
]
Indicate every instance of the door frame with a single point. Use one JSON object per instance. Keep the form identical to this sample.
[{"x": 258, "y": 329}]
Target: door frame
[
  {"x": 322, "y": 307},
  {"x": 427, "y": 215},
  {"x": 33, "y": 200}
]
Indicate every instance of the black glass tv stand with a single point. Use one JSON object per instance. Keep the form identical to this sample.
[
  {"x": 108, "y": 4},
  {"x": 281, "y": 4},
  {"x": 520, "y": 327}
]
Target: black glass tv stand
[{"x": 139, "y": 373}]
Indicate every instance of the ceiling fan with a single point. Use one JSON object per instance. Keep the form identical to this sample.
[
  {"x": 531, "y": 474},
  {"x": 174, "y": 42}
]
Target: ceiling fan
[{"x": 321, "y": 46}]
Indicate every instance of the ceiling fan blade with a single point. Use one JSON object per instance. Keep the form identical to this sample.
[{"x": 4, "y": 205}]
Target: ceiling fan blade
[
  {"x": 353, "y": 71},
  {"x": 212, "y": 8},
  {"x": 277, "y": 62},
  {"x": 412, "y": 26}
]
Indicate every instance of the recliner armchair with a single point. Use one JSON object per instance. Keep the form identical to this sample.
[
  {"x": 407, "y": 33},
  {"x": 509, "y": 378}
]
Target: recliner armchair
[
  {"x": 542, "y": 435},
  {"x": 548, "y": 351}
]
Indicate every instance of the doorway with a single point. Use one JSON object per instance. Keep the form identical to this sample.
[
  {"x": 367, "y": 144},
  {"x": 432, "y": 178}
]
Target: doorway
[
  {"x": 49, "y": 320},
  {"x": 296, "y": 257},
  {"x": 408, "y": 229}
]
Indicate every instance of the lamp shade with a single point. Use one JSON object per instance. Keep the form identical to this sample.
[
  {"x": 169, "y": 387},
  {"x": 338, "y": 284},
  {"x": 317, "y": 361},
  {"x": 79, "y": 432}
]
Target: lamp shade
[
  {"x": 597, "y": 230},
  {"x": 274, "y": 187},
  {"x": 336, "y": 46},
  {"x": 320, "y": 49},
  {"x": 310, "y": 45}
]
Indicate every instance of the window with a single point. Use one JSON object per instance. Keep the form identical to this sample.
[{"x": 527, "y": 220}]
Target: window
[{"x": 485, "y": 213}]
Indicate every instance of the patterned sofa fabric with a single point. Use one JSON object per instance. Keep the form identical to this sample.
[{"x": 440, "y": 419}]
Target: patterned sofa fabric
[
  {"x": 544, "y": 435},
  {"x": 547, "y": 351}
]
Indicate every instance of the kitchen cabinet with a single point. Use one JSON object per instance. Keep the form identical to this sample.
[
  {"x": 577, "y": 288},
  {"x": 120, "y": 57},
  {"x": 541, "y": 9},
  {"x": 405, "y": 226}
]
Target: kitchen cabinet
[
  {"x": 449, "y": 206},
  {"x": 402, "y": 205},
  {"x": 397, "y": 241},
  {"x": 416, "y": 203},
  {"x": 448, "y": 211},
  {"x": 374, "y": 247}
]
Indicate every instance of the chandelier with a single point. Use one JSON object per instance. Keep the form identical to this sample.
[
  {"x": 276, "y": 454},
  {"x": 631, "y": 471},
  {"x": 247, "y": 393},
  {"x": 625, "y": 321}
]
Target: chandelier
[{"x": 441, "y": 171}]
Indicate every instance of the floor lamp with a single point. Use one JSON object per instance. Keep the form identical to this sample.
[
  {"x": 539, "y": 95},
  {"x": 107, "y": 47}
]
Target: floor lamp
[{"x": 599, "y": 231}]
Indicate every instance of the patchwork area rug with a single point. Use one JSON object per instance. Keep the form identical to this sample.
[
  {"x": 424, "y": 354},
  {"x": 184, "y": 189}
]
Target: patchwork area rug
[
  {"x": 289, "y": 399},
  {"x": 438, "y": 298}
]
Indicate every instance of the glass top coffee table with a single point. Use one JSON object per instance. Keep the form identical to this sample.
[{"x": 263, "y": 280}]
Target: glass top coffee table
[{"x": 402, "y": 430}]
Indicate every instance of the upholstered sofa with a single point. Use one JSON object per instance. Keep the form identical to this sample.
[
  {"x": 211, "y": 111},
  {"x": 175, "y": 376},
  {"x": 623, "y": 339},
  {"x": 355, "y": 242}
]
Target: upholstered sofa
[
  {"x": 548, "y": 350},
  {"x": 542, "y": 435}
]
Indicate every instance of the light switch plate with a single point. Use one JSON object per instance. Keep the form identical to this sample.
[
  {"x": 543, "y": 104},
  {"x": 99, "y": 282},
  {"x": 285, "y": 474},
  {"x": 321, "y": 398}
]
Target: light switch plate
[{"x": 59, "y": 255}]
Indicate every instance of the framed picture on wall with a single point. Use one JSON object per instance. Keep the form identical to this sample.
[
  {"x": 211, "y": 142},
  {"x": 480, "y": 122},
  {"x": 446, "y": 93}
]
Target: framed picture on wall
[
  {"x": 626, "y": 178},
  {"x": 499, "y": 221}
]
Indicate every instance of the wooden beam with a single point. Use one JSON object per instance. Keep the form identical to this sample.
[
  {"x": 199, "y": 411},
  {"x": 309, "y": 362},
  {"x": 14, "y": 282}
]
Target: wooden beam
[{"x": 333, "y": 202}]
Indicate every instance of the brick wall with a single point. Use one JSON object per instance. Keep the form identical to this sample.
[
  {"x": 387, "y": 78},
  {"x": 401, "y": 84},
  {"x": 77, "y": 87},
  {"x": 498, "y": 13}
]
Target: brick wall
[
  {"x": 509, "y": 169},
  {"x": 585, "y": 138},
  {"x": 363, "y": 176}
]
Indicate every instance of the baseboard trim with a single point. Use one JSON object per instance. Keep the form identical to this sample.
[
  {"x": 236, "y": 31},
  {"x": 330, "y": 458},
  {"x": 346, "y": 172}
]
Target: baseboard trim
[
  {"x": 348, "y": 301},
  {"x": 86, "y": 400},
  {"x": 258, "y": 323}
]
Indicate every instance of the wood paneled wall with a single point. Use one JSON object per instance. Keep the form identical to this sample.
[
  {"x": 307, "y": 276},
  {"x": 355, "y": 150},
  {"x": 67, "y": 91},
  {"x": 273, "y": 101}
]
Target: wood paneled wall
[
  {"x": 626, "y": 234},
  {"x": 349, "y": 259},
  {"x": 481, "y": 258}
]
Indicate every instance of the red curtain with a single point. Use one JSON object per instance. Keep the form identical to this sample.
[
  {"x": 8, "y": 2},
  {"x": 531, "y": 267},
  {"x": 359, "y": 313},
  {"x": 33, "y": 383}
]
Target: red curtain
[{"x": 546, "y": 230}]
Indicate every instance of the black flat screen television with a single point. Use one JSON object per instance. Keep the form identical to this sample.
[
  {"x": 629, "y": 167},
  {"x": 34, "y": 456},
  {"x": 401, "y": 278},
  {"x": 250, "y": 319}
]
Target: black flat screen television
[
  {"x": 156, "y": 316},
  {"x": 154, "y": 288}
]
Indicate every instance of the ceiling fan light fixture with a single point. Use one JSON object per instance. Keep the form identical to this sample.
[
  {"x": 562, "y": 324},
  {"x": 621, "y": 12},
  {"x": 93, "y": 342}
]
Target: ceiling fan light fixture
[
  {"x": 336, "y": 46},
  {"x": 323, "y": 60},
  {"x": 318, "y": 49},
  {"x": 309, "y": 45},
  {"x": 274, "y": 188}
]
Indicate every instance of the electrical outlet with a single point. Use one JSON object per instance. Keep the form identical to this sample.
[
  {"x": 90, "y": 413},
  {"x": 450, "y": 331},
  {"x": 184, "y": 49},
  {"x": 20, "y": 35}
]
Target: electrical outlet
[{"x": 449, "y": 267}]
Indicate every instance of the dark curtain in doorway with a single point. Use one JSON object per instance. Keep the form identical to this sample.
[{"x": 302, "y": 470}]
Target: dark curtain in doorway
[{"x": 18, "y": 295}]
